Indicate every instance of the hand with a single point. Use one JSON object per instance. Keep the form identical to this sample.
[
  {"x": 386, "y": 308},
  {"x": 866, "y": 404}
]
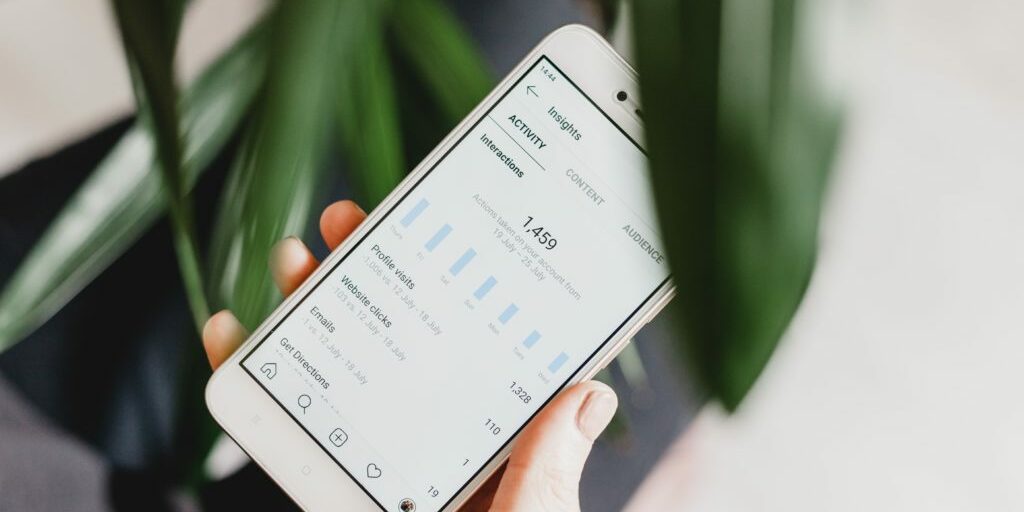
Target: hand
[{"x": 544, "y": 470}]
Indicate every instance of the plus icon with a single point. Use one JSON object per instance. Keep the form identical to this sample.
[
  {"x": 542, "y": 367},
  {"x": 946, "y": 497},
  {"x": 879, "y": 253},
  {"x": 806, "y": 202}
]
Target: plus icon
[{"x": 338, "y": 437}]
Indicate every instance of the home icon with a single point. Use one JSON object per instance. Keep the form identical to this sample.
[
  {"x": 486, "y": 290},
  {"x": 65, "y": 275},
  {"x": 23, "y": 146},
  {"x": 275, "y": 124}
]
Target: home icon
[{"x": 269, "y": 369}]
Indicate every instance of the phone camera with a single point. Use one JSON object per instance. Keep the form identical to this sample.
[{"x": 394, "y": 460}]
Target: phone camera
[
  {"x": 407, "y": 505},
  {"x": 621, "y": 95}
]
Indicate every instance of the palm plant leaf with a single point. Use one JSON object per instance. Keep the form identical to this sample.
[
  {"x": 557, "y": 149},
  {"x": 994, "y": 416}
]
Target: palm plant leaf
[
  {"x": 150, "y": 34},
  {"x": 740, "y": 138},
  {"x": 442, "y": 52},
  {"x": 270, "y": 189},
  {"x": 366, "y": 106},
  {"x": 124, "y": 195},
  {"x": 269, "y": 193}
]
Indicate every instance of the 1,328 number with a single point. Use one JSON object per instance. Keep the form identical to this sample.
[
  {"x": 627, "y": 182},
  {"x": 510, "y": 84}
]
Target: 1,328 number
[{"x": 519, "y": 392}]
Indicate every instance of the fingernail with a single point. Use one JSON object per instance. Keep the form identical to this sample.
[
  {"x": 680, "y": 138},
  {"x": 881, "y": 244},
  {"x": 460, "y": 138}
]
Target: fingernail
[
  {"x": 277, "y": 250},
  {"x": 284, "y": 242},
  {"x": 230, "y": 327},
  {"x": 595, "y": 414}
]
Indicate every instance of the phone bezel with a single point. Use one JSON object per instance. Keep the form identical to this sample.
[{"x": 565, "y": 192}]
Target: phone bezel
[{"x": 258, "y": 424}]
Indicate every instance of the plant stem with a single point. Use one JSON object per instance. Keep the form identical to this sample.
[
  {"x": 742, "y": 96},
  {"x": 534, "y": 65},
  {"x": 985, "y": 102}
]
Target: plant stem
[{"x": 188, "y": 259}]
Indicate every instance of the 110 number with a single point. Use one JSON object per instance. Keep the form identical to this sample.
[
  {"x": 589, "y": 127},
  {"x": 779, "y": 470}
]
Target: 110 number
[{"x": 492, "y": 427}]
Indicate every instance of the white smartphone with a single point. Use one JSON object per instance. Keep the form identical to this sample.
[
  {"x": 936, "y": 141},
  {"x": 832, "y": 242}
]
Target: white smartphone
[{"x": 517, "y": 259}]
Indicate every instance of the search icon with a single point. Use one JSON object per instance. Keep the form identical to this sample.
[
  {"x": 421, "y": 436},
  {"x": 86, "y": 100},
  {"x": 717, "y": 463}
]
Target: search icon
[{"x": 304, "y": 402}]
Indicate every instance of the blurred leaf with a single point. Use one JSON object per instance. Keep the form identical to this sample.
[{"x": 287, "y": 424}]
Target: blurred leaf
[
  {"x": 150, "y": 32},
  {"x": 633, "y": 369},
  {"x": 270, "y": 189},
  {"x": 445, "y": 56},
  {"x": 740, "y": 141},
  {"x": 608, "y": 11},
  {"x": 423, "y": 122},
  {"x": 124, "y": 195},
  {"x": 367, "y": 109},
  {"x": 269, "y": 193}
]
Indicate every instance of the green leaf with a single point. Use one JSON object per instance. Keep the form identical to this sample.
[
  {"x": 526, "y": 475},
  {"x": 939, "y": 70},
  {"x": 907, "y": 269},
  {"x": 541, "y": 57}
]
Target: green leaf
[
  {"x": 150, "y": 32},
  {"x": 367, "y": 109},
  {"x": 740, "y": 138},
  {"x": 270, "y": 192},
  {"x": 608, "y": 12},
  {"x": 433, "y": 39},
  {"x": 271, "y": 188},
  {"x": 124, "y": 195}
]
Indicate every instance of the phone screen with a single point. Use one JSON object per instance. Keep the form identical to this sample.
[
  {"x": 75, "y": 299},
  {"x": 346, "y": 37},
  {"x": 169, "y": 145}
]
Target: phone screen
[{"x": 474, "y": 299}]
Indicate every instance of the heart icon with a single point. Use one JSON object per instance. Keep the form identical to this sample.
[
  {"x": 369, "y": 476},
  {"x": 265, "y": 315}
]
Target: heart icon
[{"x": 373, "y": 471}]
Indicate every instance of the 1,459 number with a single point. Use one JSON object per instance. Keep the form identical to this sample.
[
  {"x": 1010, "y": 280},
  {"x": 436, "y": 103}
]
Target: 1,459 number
[{"x": 543, "y": 236}]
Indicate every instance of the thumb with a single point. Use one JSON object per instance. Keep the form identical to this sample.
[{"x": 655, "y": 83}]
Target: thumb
[{"x": 543, "y": 473}]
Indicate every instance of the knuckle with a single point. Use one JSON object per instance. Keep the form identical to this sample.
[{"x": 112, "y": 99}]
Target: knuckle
[
  {"x": 553, "y": 487},
  {"x": 560, "y": 491}
]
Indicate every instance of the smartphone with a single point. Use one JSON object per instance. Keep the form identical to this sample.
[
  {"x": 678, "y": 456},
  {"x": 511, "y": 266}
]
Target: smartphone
[{"x": 517, "y": 259}]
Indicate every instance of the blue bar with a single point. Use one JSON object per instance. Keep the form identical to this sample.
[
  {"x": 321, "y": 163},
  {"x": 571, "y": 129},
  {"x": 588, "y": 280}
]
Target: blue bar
[
  {"x": 481, "y": 292},
  {"x": 438, "y": 237},
  {"x": 558, "y": 362},
  {"x": 531, "y": 340},
  {"x": 509, "y": 312},
  {"x": 415, "y": 212},
  {"x": 462, "y": 261}
]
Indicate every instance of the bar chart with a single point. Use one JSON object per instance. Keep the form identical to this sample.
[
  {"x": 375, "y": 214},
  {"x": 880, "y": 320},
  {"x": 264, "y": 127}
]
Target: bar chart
[
  {"x": 462, "y": 262},
  {"x": 465, "y": 266},
  {"x": 531, "y": 339},
  {"x": 414, "y": 213},
  {"x": 438, "y": 237},
  {"x": 485, "y": 288},
  {"x": 558, "y": 362},
  {"x": 508, "y": 313}
]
